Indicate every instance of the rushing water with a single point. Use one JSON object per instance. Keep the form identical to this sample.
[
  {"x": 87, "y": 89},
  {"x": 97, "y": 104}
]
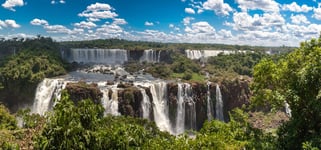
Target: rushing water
[
  {"x": 180, "y": 115},
  {"x": 151, "y": 56},
  {"x": 146, "y": 105},
  {"x": 160, "y": 105},
  {"x": 219, "y": 104},
  {"x": 209, "y": 104},
  {"x": 100, "y": 56},
  {"x": 47, "y": 90}
]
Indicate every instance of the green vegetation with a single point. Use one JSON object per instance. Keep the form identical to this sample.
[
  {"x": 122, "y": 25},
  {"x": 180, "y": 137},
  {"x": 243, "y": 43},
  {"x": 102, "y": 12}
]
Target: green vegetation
[
  {"x": 84, "y": 127},
  {"x": 294, "y": 79},
  {"x": 141, "y": 45},
  {"x": 32, "y": 61}
]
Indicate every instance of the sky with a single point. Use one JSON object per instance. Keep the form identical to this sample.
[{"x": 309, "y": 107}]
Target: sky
[{"x": 242, "y": 22}]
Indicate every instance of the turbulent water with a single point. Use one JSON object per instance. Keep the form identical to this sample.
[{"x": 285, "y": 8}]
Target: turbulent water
[
  {"x": 209, "y": 104},
  {"x": 151, "y": 56},
  {"x": 203, "y": 54},
  {"x": 101, "y": 56},
  {"x": 47, "y": 90},
  {"x": 219, "y": 104},
  {"x": 110, "y": 104},
  {"x": 153, "y": 107}
]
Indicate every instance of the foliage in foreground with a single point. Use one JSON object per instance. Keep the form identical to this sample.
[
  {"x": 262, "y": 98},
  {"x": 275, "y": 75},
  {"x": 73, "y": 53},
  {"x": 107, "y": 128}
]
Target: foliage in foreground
[
  {"x": 295, "y": 79},
  {"x": 84, "y": 127}
]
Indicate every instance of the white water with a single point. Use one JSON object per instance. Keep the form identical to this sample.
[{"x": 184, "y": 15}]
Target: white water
[
  {"x": 209, "y": 103},
  {"x": 190, "y": 108},
  {"x": 203, "y": 54},
  {"x": 180, "y": 116},
  {"x": 110, "y": 105},
  {"x": 288, "y": 110},
  {"x": 47, "y": 90},
  {"x": 194, "y": 54},
  {"x": 219, "y": 104},
  {"x": 151, "y": 56},
  {"x": 160, "y": 105},
  {"x": 102, "y": 56},
  {"x": 146, "y": 105}
]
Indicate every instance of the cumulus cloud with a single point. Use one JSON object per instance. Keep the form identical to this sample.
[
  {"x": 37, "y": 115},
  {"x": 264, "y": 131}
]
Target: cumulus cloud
[
  {"x": 317, "y": 13},
  {"x": 218, "y": 6},
  {"x": 200, "y": 27},
  {"x": 187, "y": 20},
  {"x": 85, "y": 24},
  {"x": 10, "y": 4},
  {"x": 149, "y": 23},
  {"x": 9, "y": 24},
  {"x": 189, "y": 11},
  {"x": 294, "y": 7},
  {"x": 98, "y": 11},
  {"x": 120, "y": 21},
  {"x": 245, "y": 22},
  {"x": 38, "y": 22},
  {"x": 299, "y": 19},
  {"x": 265, "y": 5}
]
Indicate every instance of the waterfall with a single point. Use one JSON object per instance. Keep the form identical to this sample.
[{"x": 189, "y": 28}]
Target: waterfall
[
  {"x": 150, "y": 56},
  {"x": 160, "y": 105},
  {"x": 180, "y": 116},
  {"x": 99, "y": 56},
  {"x": 219, "y": 104},
  {"x": 287, "y": 109},
  {"x": 209, "y": 103},
  {"x": 146, "y": 105},
  {"x": 110, "y": 105},
  {"x": 193, "y": 54},
  {"x": 46, "y": 91}
]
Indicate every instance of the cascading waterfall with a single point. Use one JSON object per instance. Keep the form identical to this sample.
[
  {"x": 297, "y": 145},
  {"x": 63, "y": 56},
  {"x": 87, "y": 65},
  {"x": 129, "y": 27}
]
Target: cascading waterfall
[
  {"x": 193, "y": 54},
  {"x": 146, "y": 105},
  {"x": 209, "y": 103},
  {"x": 219, "y": 104},
  {"x": 47, "y": 90},
  {"x": 150, "y": 56},
  {"x": 160, "y": 105},
  {"x": 180, "y": 116},
  {"x": 100, "y": 56},
  {"x": 110, "y": 105},
  {"x": 288, "y": 110}
]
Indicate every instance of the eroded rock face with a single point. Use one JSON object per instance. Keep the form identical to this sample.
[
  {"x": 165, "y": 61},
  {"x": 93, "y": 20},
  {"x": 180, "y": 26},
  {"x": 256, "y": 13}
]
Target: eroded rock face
[
  {"x": 200, "y": 96},
  {"x": 129, "y": 102},
  {"x": 235, "y": 94},
  {"x": 81, "y": 90}
]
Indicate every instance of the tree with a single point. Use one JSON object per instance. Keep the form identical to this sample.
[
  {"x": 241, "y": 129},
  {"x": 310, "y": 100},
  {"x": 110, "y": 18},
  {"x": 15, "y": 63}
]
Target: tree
[{"x": 295, "y": 79}]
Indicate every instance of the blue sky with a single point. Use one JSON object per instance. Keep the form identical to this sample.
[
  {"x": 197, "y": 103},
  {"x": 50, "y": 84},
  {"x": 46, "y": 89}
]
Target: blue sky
[{"x": 244, "y": 22}]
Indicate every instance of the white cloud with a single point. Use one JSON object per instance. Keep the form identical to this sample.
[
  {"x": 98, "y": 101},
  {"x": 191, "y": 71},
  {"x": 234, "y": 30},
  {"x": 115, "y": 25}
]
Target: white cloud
[
  {"x": 317, "y": 13},
  {"x": 38, "y": 22},
  {"x": 9, "y": 24},
  {"x": 97, "y": 11},
  {"x": 299, "y": 19},
  {"x": 120, "y": 21},
  {"x": 294, "y": 7},
  {"x": 265, "y": 5},
  {"x": 225, "y": 33},
  {"x": 10, "y": 4},
  {"x": 85, "y": 24},
  {"x": 57, "y": 29},
  {"x": 245, "y": 22},
  {"x": 149, "y": 23},
  {"x": 189, "y": 11},
  {"x": 172, "y": 26},
  {"x": 200, "y": 27},
  {"x": 187, "y": 20},
  {"x": 218, "y": 6}
]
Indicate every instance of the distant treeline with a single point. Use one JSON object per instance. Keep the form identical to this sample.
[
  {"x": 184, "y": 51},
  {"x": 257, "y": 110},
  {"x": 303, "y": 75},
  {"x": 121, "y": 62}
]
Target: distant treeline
[{"x": 142, "y": 45}]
